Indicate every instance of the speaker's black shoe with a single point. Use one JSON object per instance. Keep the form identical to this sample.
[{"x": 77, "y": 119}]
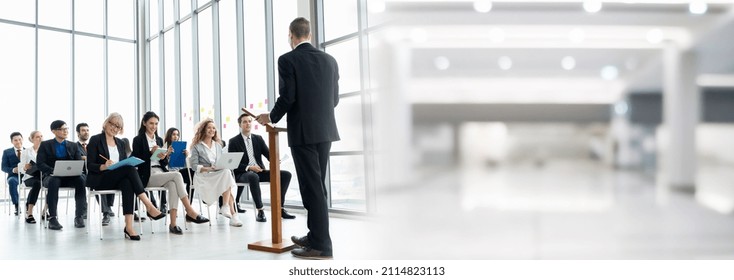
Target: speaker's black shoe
[
  {"x": 301, "y": 241},
  {"x": 285, "y": 215},
  {"x": 261, "y": 216},
  {"x": 311, "y": 254}
]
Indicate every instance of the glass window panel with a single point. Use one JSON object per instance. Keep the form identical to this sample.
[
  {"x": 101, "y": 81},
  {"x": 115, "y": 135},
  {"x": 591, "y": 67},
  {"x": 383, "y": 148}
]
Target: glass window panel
[
  {"x": 347, "y": 57},
  {"x": 18, "y": 80},
  {"x": 24, "y": 11},
  {"x": 55, "y": 13},
  {"x": 187, "y": 83},
  {"x": 347, "y": 183},
  {"x": 349, "y": 122},
  {"x": 89, "y": 82},
  {"x": 169, "y": 119},
  {"x": 340, "y": 18},
  {"x": 154, "y": 26},
  {"x": 256, "y": 91},
  {"x": 168, "y": 13},
  {"x": 185, "y": 8},
  {"x": 121, "y": 79},
  {"x": 155, "y": 76},
  {"x": 284, "y": 11},
  {"x": 54, "y": 78},
  {"x": 88, "y": 16},
  {"x": 206, "y": 66},
  {"x": 121, "y": 19},
  {"x": 376, "y": 12},
  {"x": 229, "y": 72}
]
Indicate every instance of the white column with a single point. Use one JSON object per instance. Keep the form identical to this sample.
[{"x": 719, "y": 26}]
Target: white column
[{"x": 680, "y": 116}]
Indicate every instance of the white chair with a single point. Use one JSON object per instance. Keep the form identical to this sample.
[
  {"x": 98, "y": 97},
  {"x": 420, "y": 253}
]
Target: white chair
[
  {"x": 263, "y": 185},
  {"x": 160, "y": 191},
  {"x": 192, "y": 187},
  {"x": 6, "y": 193},
  {"x": 44, "y": 192},
  {"x": 22, "y": 194},
  {"x": 98, "y": 195}
]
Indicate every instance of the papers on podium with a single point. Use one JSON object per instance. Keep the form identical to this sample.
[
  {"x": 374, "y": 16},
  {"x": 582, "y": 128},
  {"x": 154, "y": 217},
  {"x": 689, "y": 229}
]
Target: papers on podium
[{"x": 131, "y": 161}]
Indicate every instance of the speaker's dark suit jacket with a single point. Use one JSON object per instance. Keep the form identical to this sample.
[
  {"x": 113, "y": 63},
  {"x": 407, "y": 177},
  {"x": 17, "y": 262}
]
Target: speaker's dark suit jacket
[
  {"x": 309, "y": 92},
  {"x": 141, "y": 150},
  {"x": 237, "y": 144},
  {"x": 46, "y": 158}
]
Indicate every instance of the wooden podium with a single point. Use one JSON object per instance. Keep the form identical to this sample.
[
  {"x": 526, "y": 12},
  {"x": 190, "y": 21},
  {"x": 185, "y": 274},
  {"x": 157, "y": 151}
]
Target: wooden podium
[{"x": 276, "y": 244}]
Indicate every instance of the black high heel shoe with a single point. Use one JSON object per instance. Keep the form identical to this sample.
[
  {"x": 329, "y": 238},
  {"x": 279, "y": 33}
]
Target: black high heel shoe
[
  {"x": 160, "y": 216},
  {"x": 132, "y": 237},
  {"x": 199, "y": 219}
]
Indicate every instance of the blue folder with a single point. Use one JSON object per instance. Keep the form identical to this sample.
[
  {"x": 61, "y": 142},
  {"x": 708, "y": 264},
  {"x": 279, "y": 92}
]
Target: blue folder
[
  {"x": 178, "y": 158},
  {"x": 131, "y": 161}
]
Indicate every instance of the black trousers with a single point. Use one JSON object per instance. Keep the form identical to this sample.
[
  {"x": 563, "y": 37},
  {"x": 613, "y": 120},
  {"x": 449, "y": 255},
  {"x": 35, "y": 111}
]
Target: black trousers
[
  {"x": 125, "y": 179},
  {"x": 80, "y": 193},
  {"x": 35, "y": 185},
  {"x": 311, "y": 162},
  {"x": 254, "y": 180}
]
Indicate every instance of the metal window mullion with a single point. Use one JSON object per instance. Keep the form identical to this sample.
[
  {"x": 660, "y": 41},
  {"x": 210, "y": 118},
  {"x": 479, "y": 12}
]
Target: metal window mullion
[
  {"x": 241, "y": 82},
  {"x": 72, "y": 70},
  {"x": 36, "y": 70},
  {"x": 216, "y": 64},
  {"x": 138, "y": 56},
  {"x": 195, "y": 61},
  {"x": 364, "y": 67},
  {"x": 177, "y": 62},
  {"x": 270, "y": 53},
  {"x": 146, "y": 31},
  {"x": 105, "y": 60}
]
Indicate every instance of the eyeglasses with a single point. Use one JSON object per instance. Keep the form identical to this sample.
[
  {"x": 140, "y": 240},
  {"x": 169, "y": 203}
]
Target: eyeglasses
[
  {"x": 117, "y": 126},
  {"x": 62, "y": 129}
]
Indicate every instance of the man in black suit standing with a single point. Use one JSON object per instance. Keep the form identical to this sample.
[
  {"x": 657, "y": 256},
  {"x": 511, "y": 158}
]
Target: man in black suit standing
[
  {"x": 309, "y": 91},
  {"x": 252, "y": 170},
  {"x": 49, "y": 152}
]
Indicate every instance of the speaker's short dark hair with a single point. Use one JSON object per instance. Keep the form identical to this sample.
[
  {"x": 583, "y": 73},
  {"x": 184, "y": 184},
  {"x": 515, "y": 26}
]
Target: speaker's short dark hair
[
  {"x": 300, "y": 28},
  {"x": 80, "y": 125}
]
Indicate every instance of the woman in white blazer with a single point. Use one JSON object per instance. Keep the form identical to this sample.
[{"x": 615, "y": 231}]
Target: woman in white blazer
[
  {"x": 210, "y": 181},
  {"x": 31, "y": 179}
]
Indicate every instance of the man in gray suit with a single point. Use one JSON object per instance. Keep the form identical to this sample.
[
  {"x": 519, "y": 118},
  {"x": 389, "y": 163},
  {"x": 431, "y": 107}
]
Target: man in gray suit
[{"x": 309, "y": 91}]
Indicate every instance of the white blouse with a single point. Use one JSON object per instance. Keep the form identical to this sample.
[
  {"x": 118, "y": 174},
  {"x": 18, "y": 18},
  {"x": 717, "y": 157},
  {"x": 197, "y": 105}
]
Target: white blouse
[
  {"x": 26, "y": 155},
  {"x": 151, "y": 143},
  {"x": 114, "y": 153}
]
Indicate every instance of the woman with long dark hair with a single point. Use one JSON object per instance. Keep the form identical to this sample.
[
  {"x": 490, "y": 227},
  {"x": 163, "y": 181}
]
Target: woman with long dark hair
[{"x": 154, "y": 173}]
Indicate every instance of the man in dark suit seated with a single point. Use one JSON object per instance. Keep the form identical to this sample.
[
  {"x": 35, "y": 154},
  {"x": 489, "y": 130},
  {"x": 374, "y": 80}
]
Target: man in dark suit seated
[
  {"x": 11, "y": 158},
  {"x": 252, "y": 170},
  {"x": 49, "y": 152}
]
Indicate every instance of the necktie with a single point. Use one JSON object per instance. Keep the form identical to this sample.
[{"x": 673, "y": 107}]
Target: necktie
[
  {"x": 84, "y": 146},
  {"x": 17, "y": 152},
  {"x": 250, "y": 152}
]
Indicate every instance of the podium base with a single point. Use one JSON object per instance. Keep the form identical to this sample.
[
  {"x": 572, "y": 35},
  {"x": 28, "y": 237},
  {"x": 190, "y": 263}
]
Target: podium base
[{"x": 269, "y": 246}]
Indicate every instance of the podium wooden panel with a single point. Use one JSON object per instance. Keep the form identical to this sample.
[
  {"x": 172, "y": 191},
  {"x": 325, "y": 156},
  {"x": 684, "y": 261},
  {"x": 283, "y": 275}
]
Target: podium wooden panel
[{"x": 276, "y": 244}]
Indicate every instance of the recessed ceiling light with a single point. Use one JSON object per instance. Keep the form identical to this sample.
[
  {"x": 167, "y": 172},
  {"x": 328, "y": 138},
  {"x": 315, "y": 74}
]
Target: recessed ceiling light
[
  {"x": 441, "y": 63},
  {"x": 655, "y": 36},
  {"x": 576, "y": 35},
  {"x": 621, "y": 108},
  {"x": 497, "y": 35},
  {"x": 592, "y": 6},
  {"x": 483, "y": 6},
  {"x": 568, "y": 63},
  {"x": 505, "y": 63},
  {"x": 698, "y": 7},
  {"x": 609, "y": 72}
]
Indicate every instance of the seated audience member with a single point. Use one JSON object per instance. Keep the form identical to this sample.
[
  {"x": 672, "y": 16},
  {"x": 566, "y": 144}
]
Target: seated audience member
[
  {"x": 104, "y": 150},
  {"x": 153, "y": 172},
  {"x": 49, "y": 152},
  {"x": 31, "y": 174},
  {"x": 210, "y": 181},
  {"x": 251, "y": 169},
  {"x": 11, "y": 158}
]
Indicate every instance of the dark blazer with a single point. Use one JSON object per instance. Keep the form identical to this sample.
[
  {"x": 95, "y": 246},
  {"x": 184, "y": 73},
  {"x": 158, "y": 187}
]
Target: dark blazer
[
  {"x": 237, "y": 144},
  {"x": 81, "y": 149},
  {"x": 10, "y": 161},
  {"x": 98, "y": 146},
  {"x": 309, "y": 91},
  {"x": 46, "y": 158},
  {"x": 141, "y": 150}
]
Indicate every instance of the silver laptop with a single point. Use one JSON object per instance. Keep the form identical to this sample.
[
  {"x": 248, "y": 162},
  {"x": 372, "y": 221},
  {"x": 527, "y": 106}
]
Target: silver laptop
[
  {"x": 67, "y": 168},
  {"x": 229, "y": 161}
]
